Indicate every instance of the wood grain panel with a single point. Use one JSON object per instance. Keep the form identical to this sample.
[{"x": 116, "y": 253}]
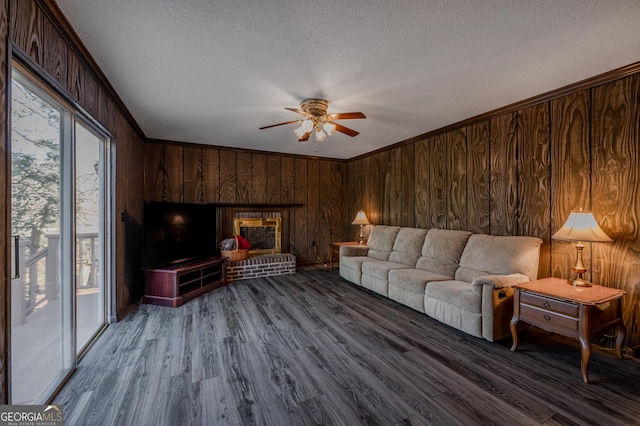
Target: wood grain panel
[
  {"x": 101, "y": 106},
  {"x": 299, "y": 236},
  {"x": 325, "y": 210},
  {"x": 313, "y": 208},
  {"x": 504, "y": 175},
  {"x": 228, "y": 176},
  {"x": 385, "y": 186},
  {"x": 26, "y": 28},
  {"x": 75, "y": 78},
  {"x": 438, "y": 181},
  {"x": 243, "y": 177},
  {"x": 211, "y": 174},
  {"x": 274, "y": 183},
  {"x": 174, "y": 167},
  {"x": 5, "y": 224},
  {"x": 374, "y": 213},
  {"x": 356, "y": 178},
  {"x": 570, "y": 174},
  {"x": 367, "y": 184},
  {"x": 109, "y": 121},
  {"x": 408, "y": 189},
  {"x": 55, "y": 54},
  {"x": 615, "y": 187},
  {"x": 478, "y": 178},
  {"x": 457, "y": 182},
  {"x": 421, "y": 152},
  {"x": 89, "y": 99},
  {"x": 395, "y": 186},
  {"x": 193, "y": 175},
  {"x": 258, "y": 178},
  {"x": 338, "y": 216},
  {"x": 534, "y": 180},
  {"x": 287, "y": 175},
  {"x": 154, "y": 172}
]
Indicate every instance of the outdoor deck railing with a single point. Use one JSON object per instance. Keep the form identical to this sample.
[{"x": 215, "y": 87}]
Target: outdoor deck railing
[{"x": 38, "y": 282}]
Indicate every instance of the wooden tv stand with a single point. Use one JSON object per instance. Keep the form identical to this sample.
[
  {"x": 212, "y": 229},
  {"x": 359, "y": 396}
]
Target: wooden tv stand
[{"x": 175, "y": 285}]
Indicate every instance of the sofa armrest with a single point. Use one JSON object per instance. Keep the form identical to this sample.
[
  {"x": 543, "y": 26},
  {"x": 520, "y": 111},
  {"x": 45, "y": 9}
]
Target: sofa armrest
[
  {"x": 497, "y": 281},
  {"x": 497, "y": 303},
  {"x": 353, "y": 250}
]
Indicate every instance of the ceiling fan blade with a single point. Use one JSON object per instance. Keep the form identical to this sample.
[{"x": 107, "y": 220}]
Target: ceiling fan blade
[
  {"x": 279, "y": 124},
  {"x": 299, "y": 111},
  {"x": 346, "y": 115},
  {"x": 346, "y": 130},
  {"x": 305, "y": 137}
]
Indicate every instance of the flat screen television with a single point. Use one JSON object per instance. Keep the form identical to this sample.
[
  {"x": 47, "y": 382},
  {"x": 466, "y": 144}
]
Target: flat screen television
[{"x": 178, "y": 233}]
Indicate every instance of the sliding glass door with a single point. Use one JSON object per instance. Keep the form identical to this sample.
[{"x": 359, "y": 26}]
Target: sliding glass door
[
  {"x": 58, "y": 193},
  {"x": 41, "y": 303},
  {"x": 90, "y": 226}
]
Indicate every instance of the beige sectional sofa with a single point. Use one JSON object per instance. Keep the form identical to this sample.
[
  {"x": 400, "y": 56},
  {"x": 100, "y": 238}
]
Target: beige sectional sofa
[{"x": 462, "y": 279}]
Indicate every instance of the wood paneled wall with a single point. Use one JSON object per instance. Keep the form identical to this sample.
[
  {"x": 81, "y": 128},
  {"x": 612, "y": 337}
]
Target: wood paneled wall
[
  {"x": 189, "y": 173},
  {"x": 36, "y": 30},
  {"x": 521, "y": 173}
]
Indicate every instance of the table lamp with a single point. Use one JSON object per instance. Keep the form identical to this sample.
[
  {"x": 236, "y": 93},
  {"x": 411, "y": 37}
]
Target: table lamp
[
  {"x": 581, "y": 227},
  {"x": 361, "y": 219}
]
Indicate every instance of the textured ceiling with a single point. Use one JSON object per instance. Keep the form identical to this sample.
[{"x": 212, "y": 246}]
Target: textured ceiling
[{"x": 213, "y": 72}]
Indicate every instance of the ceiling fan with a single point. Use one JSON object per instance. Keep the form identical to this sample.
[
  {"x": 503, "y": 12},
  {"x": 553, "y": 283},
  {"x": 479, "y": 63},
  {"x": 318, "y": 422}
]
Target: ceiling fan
[{"x": 318, "y": 121}]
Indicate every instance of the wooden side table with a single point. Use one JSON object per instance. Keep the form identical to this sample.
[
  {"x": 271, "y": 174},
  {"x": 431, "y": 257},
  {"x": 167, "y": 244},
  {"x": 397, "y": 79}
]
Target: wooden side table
[
  {"x": 580, "y": 312},
  {"x": 335, "y": 250}
]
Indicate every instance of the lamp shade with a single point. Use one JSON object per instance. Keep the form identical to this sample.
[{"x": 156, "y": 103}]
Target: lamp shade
[
  {"x": 581, "y": 226},
  {"x": 330, "y": 128},
  {"x": 361, "y": 219}
]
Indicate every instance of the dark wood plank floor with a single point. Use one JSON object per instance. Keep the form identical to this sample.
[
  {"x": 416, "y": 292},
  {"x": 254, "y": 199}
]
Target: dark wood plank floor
[{"x": 310, "y": 349}]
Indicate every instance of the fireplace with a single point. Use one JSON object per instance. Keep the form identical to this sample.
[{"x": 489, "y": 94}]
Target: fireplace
[{"x": 263, "y": 233}]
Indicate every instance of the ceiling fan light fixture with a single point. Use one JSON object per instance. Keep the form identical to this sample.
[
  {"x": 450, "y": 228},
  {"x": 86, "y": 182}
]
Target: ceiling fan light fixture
[
  {"x": 307, "y": 125},
  {"x": 318, "y": 121},
  {"x": 320, "y": 135},
  {"x": 300, "y": 131},
  {"x": 330, "y": 128}
]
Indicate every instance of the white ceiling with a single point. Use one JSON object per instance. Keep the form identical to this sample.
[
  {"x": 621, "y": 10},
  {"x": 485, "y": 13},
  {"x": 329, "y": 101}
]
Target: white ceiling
[{"x": 214, "y": 71}]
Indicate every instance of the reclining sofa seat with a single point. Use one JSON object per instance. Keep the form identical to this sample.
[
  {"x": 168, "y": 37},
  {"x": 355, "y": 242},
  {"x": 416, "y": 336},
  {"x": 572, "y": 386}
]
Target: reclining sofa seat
[
  {"x": 439, "y": 259},
  {"x": 378, "y": 247},
  {"x": 461, "y": 279},
  {"x": 404, "y": 255}
]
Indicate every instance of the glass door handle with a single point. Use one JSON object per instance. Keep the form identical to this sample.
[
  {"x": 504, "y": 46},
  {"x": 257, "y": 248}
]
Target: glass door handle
[{"x": 16, "y": 249}]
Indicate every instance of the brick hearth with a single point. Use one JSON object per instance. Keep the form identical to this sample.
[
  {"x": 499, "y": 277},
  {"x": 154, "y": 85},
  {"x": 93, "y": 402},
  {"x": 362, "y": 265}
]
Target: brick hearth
[{"x": 261, "y": 266}]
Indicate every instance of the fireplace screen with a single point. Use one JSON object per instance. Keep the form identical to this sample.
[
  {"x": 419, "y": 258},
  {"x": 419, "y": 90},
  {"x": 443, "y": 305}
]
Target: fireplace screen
[{"x": 262, "y": 233}]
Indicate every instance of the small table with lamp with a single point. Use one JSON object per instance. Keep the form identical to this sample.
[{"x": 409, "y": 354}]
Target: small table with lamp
[{"x": 574, "y": 308}]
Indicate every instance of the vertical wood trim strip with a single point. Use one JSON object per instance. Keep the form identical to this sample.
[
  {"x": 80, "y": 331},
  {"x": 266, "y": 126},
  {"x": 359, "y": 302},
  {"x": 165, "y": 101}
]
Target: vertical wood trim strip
[
  {"x": 478, "y": 191},
  {"x": 503, "y": 175},
  {"x": 457, "y": 182},
  {"x": 422, "y": 184}
]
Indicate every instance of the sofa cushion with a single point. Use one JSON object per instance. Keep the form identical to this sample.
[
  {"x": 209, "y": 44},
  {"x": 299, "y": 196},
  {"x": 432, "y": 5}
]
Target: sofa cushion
[
  {"x": 456, "y": 293},
  {"x": 414, "y": 280},
  {"x": 453, "y": 303},
  {"x": 442, "y": 250},
  {"x": 407, "y": 286},
  {"x": 351, "y": 267},
  {"x": 499, "y": 255},
  {"x": 375, "y": 275},
  {"x": 381, "y": 241},
  {"x": 407, "y": 246},
  {"x": 380, "y": 269}
]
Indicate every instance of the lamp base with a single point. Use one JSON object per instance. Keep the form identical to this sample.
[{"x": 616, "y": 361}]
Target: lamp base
[{"x": 579, "y": 282}]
